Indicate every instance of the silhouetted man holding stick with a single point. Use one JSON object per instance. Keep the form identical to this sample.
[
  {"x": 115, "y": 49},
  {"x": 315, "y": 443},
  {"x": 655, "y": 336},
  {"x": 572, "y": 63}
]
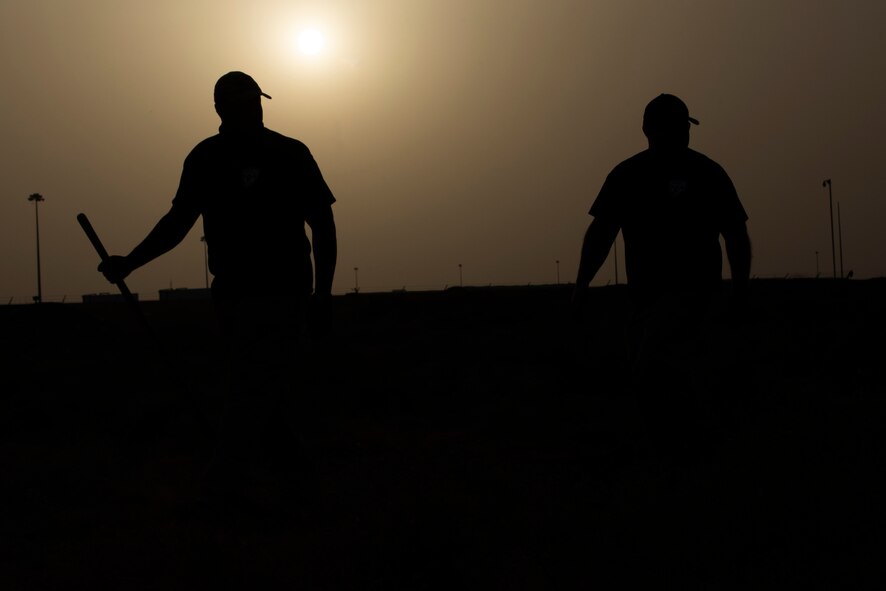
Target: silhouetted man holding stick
[
  {"x": 672, "y": 205},
  {"x": 255, "y": 189}
]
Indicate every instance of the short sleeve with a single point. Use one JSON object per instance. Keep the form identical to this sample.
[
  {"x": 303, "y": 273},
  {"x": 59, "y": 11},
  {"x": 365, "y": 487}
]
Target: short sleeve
[
  {"x": 321, "y": 194},
  {"x": 188, "y": 194},
  {"x": 607, "y": 205},
  {"x": 731, "y": 209}
]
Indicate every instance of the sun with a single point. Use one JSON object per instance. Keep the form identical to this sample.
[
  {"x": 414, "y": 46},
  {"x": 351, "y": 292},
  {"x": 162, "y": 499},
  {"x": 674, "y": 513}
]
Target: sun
[{"x": 310, "y": 42}]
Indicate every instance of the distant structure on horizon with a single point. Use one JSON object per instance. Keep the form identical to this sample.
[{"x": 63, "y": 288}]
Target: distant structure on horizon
[
  {"x": 164, "y": 295},
  {"x": 185, "y": 293},
  {"x": 104, "y": 297}
]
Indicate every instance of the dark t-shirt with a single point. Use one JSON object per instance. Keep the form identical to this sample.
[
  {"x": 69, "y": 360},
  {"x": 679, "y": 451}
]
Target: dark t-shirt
[
  {"x": 672, "y": 211},
  {"x": 255, "y": 192}
]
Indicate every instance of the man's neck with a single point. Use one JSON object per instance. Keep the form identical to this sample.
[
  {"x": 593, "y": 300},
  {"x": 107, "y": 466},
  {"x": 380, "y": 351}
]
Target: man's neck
[{"x": 240, "y": 128}]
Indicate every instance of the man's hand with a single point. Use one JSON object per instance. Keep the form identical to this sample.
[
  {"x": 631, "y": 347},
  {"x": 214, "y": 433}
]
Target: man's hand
[
  {"x": 320, "y": 316},
  {"x": 115, "y": 268}
]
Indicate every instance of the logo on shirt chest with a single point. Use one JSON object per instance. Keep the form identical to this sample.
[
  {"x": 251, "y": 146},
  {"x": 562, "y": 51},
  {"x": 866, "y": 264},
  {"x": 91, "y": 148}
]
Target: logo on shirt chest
[
  {"x": 249, "y": 176},
  {"x": 677, "y": 187}
]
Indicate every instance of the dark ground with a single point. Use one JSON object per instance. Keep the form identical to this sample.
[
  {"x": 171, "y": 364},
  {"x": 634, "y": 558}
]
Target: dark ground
[{"x": 467, "y": 439}]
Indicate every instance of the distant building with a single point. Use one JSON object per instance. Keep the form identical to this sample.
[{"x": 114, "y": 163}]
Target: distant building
[
  {"x": 104, "y": 297},
  {"x": 184, "y": 293}
]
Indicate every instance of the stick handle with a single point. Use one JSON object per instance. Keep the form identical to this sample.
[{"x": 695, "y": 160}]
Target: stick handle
[
  {"x": 103, "y": 254},
  {"x": 93, "y": 237}
]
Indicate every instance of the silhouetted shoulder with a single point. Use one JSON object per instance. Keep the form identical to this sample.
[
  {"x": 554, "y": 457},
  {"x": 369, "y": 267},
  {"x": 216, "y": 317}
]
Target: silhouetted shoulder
[
  {"x": 632, "y": 164},
  {"x": 228, "y": 166},
  {"x": 649, "y": 180},
  {"x": 208, "y": 146},
  {"x": 623, "y": 179},
  {"x": 704, "y": 162},
  {"x": 647, "y": 160},
  {"x": 285, "y": 141},
  {"x": 211, "y": 146},
  {"x": 208, "y": 153}
]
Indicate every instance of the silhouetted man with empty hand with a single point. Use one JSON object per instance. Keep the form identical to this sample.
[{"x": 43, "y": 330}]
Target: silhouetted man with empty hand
[{"x": 672, "y": 205}]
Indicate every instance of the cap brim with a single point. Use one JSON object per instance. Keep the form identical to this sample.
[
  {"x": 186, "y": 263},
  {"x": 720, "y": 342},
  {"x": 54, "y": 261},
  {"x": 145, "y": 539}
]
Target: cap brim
[
  {"x": 691, "y": 119},
  {"x": 238, "y": 98}
]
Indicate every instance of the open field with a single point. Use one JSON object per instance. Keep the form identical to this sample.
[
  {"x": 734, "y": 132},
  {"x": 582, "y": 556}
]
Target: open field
[{"x": 472, "y": 438}]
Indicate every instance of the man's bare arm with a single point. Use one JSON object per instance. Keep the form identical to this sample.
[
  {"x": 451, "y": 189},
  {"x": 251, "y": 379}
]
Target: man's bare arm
[
  {"x": 169, "y": 231},
  {"x": 598, "y": 239},
  {"x": 738, "y": 253},
  {"x": 325, "y": 247}
]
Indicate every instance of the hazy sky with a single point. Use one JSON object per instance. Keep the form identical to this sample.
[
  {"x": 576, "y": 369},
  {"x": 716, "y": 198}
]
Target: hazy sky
[{"x": 473, "y": 132}]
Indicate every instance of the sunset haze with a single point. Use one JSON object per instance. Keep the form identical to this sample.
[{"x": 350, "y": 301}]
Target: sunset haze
[{"x": 461, "y": 139}]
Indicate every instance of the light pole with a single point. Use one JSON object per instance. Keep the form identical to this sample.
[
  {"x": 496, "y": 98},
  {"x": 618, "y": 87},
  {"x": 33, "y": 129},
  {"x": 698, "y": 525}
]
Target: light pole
[
  {"x": 558, "y": 271},
  {"x": 460, "y": 284},
  {"x": 840, "y": 239},
  {"x": 205, "y": 260},
  {"x": 827, "y": 183},
  {"x": 37, "y": 198},
  {"x": 817, "y": 272},
  {"x": 356, "y": 281}
]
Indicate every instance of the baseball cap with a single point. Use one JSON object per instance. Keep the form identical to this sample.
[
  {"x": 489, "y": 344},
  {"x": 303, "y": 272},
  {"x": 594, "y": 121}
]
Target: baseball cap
[
  {"x": 666, "y": 108},
  {"x": 235, "y": 87}
]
